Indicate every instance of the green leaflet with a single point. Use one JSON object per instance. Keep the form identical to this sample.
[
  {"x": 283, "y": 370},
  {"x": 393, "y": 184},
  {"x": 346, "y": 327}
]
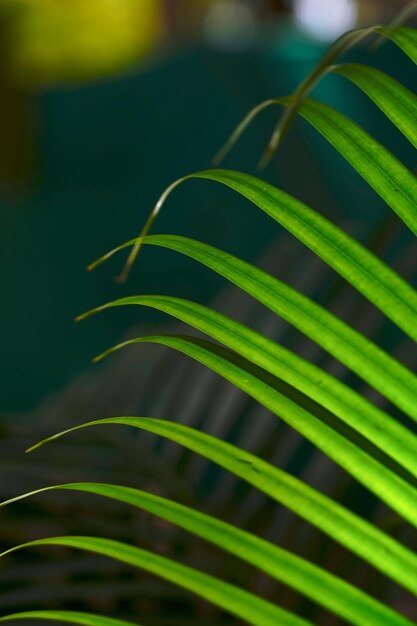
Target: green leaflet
[
  {"x": 405, "y": 38},
  {"x": 250, "y": 608},
  {"x": 322, "y": 587},
  {"x": 361, "y": 537},
  {"x": 73, "y": 617},
  {"x": 373, "y": 278},
  {"x": 359, "y": 354},
  {"x": 396, "y": 185},
  {"x": 339, "y": 47},
  {"x": 384, "y": 172},
  {"x": 398, "y": 103},
  {"x": 370, "y": 276},
  {"x": 401, "y": 17},
  {"x": 378, "y": 427},
  {"x": 392, "y": 489},
  {"x": 262, "y": 360}
]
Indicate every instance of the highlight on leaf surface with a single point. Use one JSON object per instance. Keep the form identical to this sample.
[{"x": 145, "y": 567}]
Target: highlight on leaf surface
[{"x": 397, "y": 102}]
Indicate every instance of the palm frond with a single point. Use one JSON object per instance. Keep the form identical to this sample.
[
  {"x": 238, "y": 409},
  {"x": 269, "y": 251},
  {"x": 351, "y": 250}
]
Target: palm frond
[
  {"x": 339, "y": 597},
  {"x": 367, "y": 442},
  {"x": 238, "y": 602}
]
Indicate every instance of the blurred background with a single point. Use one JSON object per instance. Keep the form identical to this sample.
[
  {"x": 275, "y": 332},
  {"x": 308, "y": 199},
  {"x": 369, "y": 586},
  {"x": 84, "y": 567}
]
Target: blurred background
[{"x": 103, "y": 104}]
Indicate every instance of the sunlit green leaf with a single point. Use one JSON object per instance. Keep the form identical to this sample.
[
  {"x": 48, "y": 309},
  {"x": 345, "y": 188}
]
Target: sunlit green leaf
[
  {"x": 405, "y": 38},
  {"x": 392, "y": 489},
  {"x": 371, "y": 363},
  {"x": 249, "y": 607},
  {"x": 363, "y": 538},
  {"x": 396, "y": 185},
  {"x": 313, "y": 582},
  {"x": 395, "y": 101},
  {"x": 378, "y": 427}
]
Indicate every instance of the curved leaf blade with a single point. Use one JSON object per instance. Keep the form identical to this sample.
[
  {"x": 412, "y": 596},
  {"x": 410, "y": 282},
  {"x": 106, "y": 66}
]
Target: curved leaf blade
[
  {"x": 373, "y": 278},
  {"x": 405, "y": 38},
  {"x": 73, "y": 617},
  {"x": 372, "y": 364},
  {"x": 379, "y": 428},
  {"x": 236, "y": 601},
  {"x": 325, "y": 589},
  {"x": 401, "y": 17},
  {"x": 396, "y": 185},
  {"x": 392, "y": 489},
  {"x": 344, "y": 43},
  {"x": 368, "y": 274},
  {"x": 397, "y": 102},
  {"x": 359, "y": 536}
]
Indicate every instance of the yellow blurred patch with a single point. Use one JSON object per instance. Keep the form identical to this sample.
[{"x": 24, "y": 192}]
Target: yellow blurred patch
[{"x": 55, "y": 41}]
